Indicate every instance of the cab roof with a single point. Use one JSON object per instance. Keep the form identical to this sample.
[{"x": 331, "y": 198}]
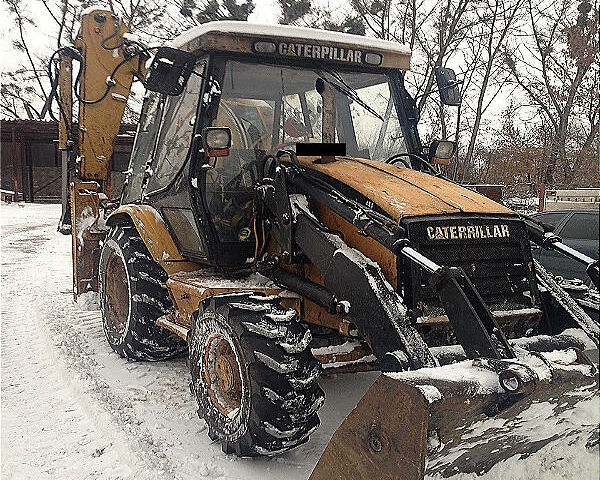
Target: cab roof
[{"x": 310, "y": 43}]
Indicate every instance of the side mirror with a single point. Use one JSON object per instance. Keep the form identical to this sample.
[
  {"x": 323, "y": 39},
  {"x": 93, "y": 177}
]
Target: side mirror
[
  {"x": 170, "y": 70},
  {"x": 217, "y": 141},
  {"x": 441, "y": 151},
  {"x": 448, "y": 86}
]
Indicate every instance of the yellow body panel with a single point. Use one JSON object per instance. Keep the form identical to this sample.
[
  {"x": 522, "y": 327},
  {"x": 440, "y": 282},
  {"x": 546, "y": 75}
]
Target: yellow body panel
[
  {"x": 188, "y": 289},
  {"x": 153, "y": 231},
  {"x": 402, "y": 192}
]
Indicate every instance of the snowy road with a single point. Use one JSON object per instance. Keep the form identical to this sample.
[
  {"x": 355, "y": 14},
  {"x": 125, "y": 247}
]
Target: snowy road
[{"x": 72, "y": 409}]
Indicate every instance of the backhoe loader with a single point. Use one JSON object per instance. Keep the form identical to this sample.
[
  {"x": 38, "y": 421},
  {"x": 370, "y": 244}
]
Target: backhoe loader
[{"x": 281, "y": 219}]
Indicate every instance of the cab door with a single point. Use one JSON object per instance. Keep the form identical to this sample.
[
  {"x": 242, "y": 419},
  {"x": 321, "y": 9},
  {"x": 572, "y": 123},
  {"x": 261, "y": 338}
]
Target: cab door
[
  {"x": 228, "y": 183},
  {"x": 168, "y": 188}
]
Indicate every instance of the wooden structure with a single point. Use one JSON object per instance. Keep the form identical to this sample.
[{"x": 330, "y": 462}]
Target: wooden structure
[{"x": 31, "y": 163}]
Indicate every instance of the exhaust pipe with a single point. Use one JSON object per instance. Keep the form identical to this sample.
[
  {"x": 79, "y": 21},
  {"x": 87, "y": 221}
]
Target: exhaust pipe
[{"x": 328, "y": 115}]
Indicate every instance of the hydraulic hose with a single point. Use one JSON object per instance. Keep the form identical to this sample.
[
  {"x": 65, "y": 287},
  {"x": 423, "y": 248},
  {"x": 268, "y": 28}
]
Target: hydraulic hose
[{"x": 73, "y": 53}]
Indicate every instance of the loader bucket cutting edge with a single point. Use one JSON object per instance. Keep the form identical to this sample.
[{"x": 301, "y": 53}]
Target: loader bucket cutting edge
[{"x": 437, "y": 422}]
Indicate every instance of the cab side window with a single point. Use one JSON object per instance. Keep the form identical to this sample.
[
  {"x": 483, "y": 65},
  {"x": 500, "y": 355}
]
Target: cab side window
[
  {"x": 175, "y": 134},
  {"x": 144, "y": 144}
]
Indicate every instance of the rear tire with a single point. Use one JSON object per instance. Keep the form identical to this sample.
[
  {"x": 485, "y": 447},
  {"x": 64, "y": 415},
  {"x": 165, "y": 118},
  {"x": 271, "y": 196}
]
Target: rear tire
[
  {"x": 133, "y": 295},
  {"x": 253, "y": 375}
]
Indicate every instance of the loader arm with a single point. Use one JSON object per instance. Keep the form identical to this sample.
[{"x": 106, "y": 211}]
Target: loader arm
[
  {"x": 377, "y": 310},
  {"x": 374, "y": 307}
]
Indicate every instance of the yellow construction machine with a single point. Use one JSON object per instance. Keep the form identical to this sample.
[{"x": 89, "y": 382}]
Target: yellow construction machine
[{"x": 281, "y": 219}]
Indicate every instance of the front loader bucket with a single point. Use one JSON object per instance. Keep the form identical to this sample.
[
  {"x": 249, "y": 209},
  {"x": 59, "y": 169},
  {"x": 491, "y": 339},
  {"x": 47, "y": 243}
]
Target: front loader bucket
[{"x": 464, "y": 417}]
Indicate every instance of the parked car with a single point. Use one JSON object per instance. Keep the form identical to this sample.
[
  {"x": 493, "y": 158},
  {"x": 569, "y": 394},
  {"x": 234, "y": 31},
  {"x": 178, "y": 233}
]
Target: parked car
[{"x": 578, "y": 228}]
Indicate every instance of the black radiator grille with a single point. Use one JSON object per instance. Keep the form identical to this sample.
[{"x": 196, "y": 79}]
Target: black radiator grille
[{"x": 493, "y": 251}]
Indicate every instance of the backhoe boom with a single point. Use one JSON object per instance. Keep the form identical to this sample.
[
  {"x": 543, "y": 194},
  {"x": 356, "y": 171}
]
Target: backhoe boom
[{"x": 107, "y": 66}]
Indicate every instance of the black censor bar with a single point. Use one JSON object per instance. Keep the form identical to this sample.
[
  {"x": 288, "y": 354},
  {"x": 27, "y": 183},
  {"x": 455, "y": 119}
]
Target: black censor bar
[{"x": 320, "y": 149}]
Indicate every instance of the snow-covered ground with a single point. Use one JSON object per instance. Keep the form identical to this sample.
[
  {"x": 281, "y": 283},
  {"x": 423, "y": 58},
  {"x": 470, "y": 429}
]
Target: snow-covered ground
[{"x": 72, "y": 409}]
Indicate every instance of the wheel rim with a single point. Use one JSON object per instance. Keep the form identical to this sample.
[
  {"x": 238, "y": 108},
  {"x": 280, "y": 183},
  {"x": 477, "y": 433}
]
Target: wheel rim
[
  {"x": 222, "y": 375},
  {"x": 116, "y": 297}
]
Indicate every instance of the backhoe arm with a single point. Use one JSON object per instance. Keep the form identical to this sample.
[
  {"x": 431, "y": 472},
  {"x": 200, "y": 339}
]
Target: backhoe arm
[{"x": 107, "y": 64}]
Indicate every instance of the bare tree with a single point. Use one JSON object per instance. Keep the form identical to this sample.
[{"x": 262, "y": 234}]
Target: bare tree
[
  {"x": 496, "y": 20},
  {"x": 23, "y": 86},
  {"x": 25, "y": 89},
  {"x": 376, "y": 16},
  {"x": 207, "y": 10},
  {"x": 558, "y": 70},
  {"x": 306, "y": 13}
]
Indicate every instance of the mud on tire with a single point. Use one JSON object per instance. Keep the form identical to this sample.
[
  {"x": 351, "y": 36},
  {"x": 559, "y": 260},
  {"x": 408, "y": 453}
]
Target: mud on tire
[
  {"x": 253, "y": 375},
  {"x": 133, "y": 295}
]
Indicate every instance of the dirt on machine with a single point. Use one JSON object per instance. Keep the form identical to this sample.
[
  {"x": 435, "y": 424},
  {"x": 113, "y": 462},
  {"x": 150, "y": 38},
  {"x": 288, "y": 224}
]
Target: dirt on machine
[{"x": 281, "y": 220}]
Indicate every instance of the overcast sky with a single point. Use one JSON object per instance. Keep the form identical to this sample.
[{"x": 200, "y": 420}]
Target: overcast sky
[
  {"x": 265, "y": 11},
  {"x": 41, "y": 42}
]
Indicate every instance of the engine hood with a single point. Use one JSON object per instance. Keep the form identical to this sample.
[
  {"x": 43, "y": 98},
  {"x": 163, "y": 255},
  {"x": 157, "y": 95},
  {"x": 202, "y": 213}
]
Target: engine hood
[{"x": 403, "y": 192}]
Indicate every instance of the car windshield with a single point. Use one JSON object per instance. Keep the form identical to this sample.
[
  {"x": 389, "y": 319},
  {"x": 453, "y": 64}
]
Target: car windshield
[{"x": 276, "y": 106}]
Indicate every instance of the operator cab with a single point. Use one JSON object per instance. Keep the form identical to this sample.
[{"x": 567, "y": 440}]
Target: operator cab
[
  {"x": 269, "y": 107},
  {"x": 261, "y": 84}
]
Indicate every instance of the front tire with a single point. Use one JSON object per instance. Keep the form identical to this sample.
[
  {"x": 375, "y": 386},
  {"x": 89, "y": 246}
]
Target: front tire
[
  {"x": 253, "y": 375},
  {"x": 133, "y": 295}
]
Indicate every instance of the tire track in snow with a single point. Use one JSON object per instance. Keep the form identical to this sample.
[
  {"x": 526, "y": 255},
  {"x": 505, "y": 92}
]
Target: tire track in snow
[
  {"x": 47, "y": 433},
  {"x": 148, "y": 404},
  {"x": 50, "y": 429}
]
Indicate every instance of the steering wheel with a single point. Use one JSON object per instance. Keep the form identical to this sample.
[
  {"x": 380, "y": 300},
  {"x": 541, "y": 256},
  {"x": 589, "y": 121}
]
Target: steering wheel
[{"x": 398, "y": 158}]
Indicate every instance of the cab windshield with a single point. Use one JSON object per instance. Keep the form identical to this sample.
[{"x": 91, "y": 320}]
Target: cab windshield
[{"x": 277, "y": 106}]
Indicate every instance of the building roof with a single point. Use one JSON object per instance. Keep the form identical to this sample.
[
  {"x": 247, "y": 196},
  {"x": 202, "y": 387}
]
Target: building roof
[{"x": 38, "y": 131}]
